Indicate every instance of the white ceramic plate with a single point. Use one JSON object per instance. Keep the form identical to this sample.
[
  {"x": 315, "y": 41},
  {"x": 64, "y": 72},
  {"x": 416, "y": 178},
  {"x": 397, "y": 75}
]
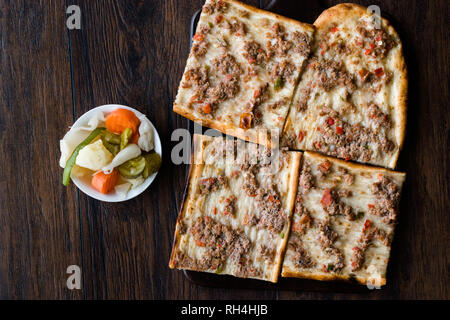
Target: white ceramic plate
[{"x": 84, "y": 184}]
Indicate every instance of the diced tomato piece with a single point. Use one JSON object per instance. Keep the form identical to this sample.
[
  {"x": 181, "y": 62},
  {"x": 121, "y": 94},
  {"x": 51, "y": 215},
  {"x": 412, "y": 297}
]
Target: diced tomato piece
[
  {"x": 301, "y": 136},
  {"x": 339, "y": 130},
  {"x": 371, "y": 206},
  {"x": 327, "y": 199},
  {"x": 198, "y": 37},
  {"x": 199, "y": 243},
  {"x": 367, "y": 224},
  {"x": 379, "y": 72},
  {"x": 335, "y": 29},
  {"x": 330, "y": 121},
  {"x": 368, "y": 51},
  {"x": 207, "y": 108},
  {"x": 372, "y": 46}
]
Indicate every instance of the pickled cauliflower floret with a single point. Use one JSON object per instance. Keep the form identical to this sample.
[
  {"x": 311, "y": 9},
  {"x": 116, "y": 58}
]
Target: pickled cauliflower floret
[{"x": 94, "y": 156}]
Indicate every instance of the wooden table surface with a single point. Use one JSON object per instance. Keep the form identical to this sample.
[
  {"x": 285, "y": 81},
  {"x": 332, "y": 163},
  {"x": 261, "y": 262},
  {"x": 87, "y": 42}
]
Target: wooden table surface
[{"x": 133, "y": 53}]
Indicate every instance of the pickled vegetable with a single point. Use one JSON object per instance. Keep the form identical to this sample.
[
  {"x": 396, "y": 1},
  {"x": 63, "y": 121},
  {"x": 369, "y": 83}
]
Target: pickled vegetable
[
  {"x": 71, "y": 161},
  {"x": 133, "y": 168},
  {"x": 125, "y": 137},
  {"x": 94, "y": 156},
  {"x": 113, "y": 148},
  {"x": 131, "y": 151},
  {"x": 152, "y": 164},
  {"x": 110, "y": 137}
]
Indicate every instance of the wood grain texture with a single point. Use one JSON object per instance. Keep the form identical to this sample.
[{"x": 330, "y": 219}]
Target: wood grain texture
[
  {"x": 133, "y": 52},
  {"x": 39, "y": 220}
]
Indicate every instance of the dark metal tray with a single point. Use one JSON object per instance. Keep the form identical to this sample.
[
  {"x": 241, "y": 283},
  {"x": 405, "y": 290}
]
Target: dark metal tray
[{"x": 291, "y": 284}]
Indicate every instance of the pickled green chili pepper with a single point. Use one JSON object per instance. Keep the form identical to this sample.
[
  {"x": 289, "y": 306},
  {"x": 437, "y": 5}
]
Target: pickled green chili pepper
[
  {"x": 71, "y": 161},
  {"x": 110, "y": 137},
  {"x": 125, "y": 137},
  {"x": 113, "y": 148},
  {"x": 133, "y": 168},
  {"x": 152, "y": 164}
]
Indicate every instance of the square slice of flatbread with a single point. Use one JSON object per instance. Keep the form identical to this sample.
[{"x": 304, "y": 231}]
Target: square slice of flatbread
[
  {"x": 236, "y": 215},
  {"x": 351, "y": 100},
  {"x": 343, "y": 221},
  {"x": 242, "y": 70}
]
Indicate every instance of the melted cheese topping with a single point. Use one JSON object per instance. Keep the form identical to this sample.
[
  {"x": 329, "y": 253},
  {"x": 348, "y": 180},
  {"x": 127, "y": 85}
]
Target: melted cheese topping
[
  {"x": 212, "y": 205},
  {"x": 377, "y": 254},
  {"x": 387, "y": 96},
  {"x": 258, "y": 27}
]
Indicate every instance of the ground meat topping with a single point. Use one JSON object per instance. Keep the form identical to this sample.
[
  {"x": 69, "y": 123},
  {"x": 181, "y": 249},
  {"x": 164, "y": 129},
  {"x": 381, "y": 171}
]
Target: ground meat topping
[
  {"x": 304, "y": 220},
  {"x": 235, "y": 26},
  {"x": 378, "y": 117},
  {"x": 331, "y": 73},
  {"x": 332, "y": 205},
  {"x": 281, "y": 73},
  {"x": 350, "y": 142},
  {"x": 250, "y": 220},
  {"x": 306, "y": 181},
  {"x": 278, "y": 44},
  {"x": 226, "y": 89},
  {"x": 301, "y": 103},
  {"x": 215, "y": 6},
  {"x": 251, "y": 115},
  {"x": 271, "y": 214},
  {"x": 368, "y": 233},
  {"x": 254, "y": 53},
  {"x": 199, "y": 49},
  {"x": 301, "y": 258},
  {"x": 208, "y": 185},
  {"x": 197, "y": 77},
  {"x": 347, "y": 176},
  {"x": 278, "y": 104},
  {"x": 327, "y": 237},
  {"x": 229, "y": 208},
  {"x": 374, "y": 42},
  {"x": 226, "y": 64},
  {"x": 267, "y": 252},
  {"x": 301, "y": 43},
  {"x": 221, "y": 243},
  {"x": 388, "y": 196}
]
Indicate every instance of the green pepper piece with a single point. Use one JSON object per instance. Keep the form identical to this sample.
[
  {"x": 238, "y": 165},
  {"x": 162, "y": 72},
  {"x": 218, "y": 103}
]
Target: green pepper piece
[
  {"x": 220, "y": 269},
  {"x": 132, "y": 168},
  {"x": 125, "y": 137},
  {"x": 71, "y": 161},
  {"x": 111, "y": 137},
  {"x": 153, "y": 163},
  {"x": 278, "y": 84}
]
